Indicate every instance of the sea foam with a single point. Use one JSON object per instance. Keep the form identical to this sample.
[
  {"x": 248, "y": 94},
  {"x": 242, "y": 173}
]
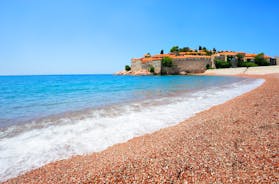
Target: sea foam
[{"x": 100, "y": 128}]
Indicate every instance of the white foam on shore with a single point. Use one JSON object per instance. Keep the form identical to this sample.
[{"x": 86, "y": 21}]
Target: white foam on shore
[{"x": 37, "y": 147}]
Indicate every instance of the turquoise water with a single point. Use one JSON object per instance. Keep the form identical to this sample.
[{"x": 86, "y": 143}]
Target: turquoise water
[
  {"x": 25, "y": 98},
  {"x": 49, "y": 118}
]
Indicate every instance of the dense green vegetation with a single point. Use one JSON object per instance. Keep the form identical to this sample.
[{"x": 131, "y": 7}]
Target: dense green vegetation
[
  {"x": 222, "y": 64},
  {"x": 174, "y": 49},
  {"x": 185, "y": 49},
  {"x": 127, "y": 68},
  {"x": 151, "y": 69},
  {"x": 167, "y": 61},
  {"x": 177, "y": 49},
  {"x": 246, "y": 64},
  {"x": 259, "y": 60}
]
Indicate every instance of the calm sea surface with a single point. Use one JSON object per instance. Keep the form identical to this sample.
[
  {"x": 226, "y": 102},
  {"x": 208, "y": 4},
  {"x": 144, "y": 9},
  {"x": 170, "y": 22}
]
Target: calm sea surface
[
  {"x": 47, "y": 118},
  {"x": 25, "y": 98}
]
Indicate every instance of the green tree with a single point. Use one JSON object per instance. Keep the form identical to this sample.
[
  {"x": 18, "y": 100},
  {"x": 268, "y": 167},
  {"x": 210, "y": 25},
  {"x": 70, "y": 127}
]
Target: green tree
[
  {"x": 167, "y": 61},
  {"x": 260, "y": 60},
  {"x": 185, "y": 49},
  {"x": 162, "y": 51},
  {"x": 200, "y": 47},
  {"x": 222, "y": 64},
  {"x": 127, "y": 68},
  {"x": 240, "y": 57},
  {"x": 148, "y": 55},
  {"x": 214, "y": 50},
  {"x": 240, "y": 60},
  {"x": 174, "y": 49}
]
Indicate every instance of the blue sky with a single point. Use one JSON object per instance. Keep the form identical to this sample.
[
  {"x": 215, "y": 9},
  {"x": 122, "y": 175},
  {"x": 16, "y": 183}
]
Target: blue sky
[{"x": 100, "y": 36}]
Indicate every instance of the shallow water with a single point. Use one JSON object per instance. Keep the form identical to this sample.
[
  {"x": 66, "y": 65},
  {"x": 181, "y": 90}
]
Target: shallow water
[{"x": 47, "y": 118}]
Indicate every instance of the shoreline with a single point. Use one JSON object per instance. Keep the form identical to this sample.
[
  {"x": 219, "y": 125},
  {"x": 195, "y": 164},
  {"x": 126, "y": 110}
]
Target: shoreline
[{"x": 154, "y": 159}]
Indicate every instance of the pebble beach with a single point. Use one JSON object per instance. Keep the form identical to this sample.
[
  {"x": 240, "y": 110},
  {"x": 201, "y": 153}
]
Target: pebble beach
[{"x": 235, "y": 142}]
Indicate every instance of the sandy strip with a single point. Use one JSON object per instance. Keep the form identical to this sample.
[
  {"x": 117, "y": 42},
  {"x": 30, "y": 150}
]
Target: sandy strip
[
  {"x": 259, "y": 70},
  {"x": 236, "y": 142}
]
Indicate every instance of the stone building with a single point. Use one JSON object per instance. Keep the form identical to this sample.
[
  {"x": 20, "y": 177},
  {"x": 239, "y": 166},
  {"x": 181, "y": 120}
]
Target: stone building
[
  {"x": 229, "y": 56},
  {"x": 181, "y": 63}
]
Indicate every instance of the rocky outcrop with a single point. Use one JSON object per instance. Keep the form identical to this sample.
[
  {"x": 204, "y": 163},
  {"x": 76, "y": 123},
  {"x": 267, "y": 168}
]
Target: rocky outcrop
[
  {"x": 124, "y": 72},
  {"x": 138, "y": 72}
]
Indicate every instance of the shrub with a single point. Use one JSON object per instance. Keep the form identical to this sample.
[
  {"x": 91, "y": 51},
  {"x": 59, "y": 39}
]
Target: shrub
[
  {"x": 148, "y": 55},
  {"x": 208, "y": 66},
  {"x": 185, "y": 49},
  {"x": 151, "y": 69},
  {"x": 239, "y": 57},
  {"x": 247, "y": 64},
  {"x": 127, "y": 68},
  {"x": 222, "y": 64},
  {"x": 167, "y": 62},
  {"x": 240, "y": 64},
  {"x": 259, "y": 60},
  {"x": 174, "y": 49}
]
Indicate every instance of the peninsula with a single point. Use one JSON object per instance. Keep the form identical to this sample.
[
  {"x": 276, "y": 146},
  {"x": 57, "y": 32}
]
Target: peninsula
[{"x": 182, "y": 61}]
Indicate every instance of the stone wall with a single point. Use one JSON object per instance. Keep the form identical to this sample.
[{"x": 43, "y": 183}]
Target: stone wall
[
  {"x": 137, "y": 65},
  {"x": 191, "y": 65},
  {"x": 183, "y": 65}
]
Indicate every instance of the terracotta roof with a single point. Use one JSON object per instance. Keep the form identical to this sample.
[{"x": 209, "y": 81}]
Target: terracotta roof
[
  {"x": 254, "y": 55},
  {"x": 192, "y": 53},
  {"x": 161, "y": 55},
  {"x": 228, "y": 53},
  {"x": 250, "y": 55},
  {"x": 190, "y": 56},
  {"x": 150, "y": 59}
]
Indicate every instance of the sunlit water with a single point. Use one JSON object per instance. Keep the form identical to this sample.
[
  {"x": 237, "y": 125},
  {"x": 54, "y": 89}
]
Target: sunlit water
[{"x": 47, "y": 118}]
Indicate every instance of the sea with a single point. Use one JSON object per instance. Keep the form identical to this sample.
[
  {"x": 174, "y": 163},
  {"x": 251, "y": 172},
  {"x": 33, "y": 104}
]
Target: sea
[{"x": 45, "y": 118}]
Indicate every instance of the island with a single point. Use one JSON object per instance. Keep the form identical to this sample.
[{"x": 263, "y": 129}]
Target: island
[{"x": 183, "y": 61}]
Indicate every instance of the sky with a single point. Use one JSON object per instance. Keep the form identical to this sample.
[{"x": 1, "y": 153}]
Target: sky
[{"x": 40, "y": 37}]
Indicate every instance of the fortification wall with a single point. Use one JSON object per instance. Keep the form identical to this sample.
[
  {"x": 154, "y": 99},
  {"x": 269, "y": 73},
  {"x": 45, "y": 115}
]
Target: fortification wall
[
  {"x": 137, "y": 65},
  {"x": 191, "y": 65},
  {"x": 180, "y": 65}
]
